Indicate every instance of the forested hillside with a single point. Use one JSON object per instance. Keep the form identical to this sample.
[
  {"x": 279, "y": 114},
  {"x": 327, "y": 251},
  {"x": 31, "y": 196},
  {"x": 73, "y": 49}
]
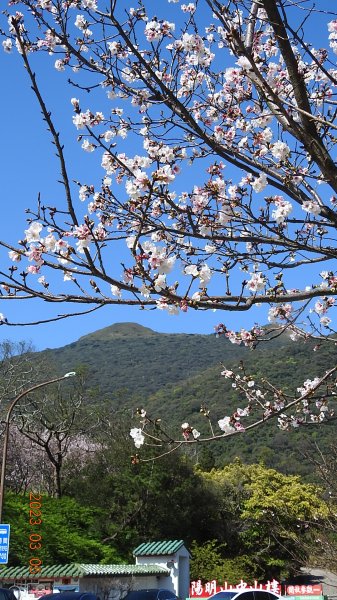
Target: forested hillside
[
  {"x": 129, "y": 357},
  {"x": 70, "y": 443},
  {"x": 173, "y": 374}
]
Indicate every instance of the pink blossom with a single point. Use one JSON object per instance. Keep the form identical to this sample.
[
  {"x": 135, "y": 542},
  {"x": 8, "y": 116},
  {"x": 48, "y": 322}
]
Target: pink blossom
[{"x": 33, "y": 269}]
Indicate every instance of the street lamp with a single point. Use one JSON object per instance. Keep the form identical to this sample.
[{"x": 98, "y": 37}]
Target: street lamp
[{"x": 7, "y": 423}]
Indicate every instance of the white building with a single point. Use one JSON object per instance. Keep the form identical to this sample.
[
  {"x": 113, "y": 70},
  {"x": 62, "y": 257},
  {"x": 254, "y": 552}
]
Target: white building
[
  {"x": 158, "y": 565},
  {"x": 170, "y": 555}
]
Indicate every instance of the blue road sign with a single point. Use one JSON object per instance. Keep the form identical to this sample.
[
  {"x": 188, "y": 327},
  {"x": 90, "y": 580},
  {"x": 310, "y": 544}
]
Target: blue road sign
[{"x": 4, "y": 543}]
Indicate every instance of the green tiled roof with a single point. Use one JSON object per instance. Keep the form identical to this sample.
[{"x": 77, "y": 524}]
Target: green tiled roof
[
  {"x": 156, "y": 548},
  {"x": 124, "y": 570},
  {"x": 82, "y": 570}
]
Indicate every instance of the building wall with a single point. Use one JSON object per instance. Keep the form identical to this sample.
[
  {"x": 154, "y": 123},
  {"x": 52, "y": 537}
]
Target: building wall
[
  {"x": 184, "y": 576},
  {"x": 169, "y": 581},
  {"x": 179, "y": 566},
  {"x": 114, "y": 588}
]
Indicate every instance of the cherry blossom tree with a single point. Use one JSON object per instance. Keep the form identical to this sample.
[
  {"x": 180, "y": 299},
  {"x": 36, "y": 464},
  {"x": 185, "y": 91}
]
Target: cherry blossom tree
[
  {"x": 58, "y": 426},
  {"x": 20, "y": 367},
  {"x": 29, "y": 466},
  {"x": 25, "y": 464},
  {"x": 213, "y": 126}
]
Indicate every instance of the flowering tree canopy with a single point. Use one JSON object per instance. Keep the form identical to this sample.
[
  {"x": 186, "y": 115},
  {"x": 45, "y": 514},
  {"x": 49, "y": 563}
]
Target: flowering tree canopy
[
  {"x": 58, "y": 426},
  {"x": 212, "y": 125}
]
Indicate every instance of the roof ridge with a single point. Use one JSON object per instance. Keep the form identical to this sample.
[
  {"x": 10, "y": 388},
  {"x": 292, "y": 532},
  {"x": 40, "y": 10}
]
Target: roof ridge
[{"x": 165, "y": 547}]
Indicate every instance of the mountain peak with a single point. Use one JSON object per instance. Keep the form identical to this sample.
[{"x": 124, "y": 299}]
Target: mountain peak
[{"x": 120, "y": 330}]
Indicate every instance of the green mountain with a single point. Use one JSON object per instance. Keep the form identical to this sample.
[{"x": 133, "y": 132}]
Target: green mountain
[
  {"x": 171, "y": 375},
  {"x": 139, "y": 361}
]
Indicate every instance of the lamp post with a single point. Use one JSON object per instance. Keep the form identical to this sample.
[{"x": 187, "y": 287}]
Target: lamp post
[{"x": 7, "y": 423}]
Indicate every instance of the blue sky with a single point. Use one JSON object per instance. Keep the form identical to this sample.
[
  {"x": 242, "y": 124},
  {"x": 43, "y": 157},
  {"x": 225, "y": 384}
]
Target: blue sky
[{"x": 29, "y": 166}]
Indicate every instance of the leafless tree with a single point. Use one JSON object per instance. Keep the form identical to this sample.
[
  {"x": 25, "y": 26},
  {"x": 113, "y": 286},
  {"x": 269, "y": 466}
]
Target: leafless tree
[{"x": 324, "y": 467}]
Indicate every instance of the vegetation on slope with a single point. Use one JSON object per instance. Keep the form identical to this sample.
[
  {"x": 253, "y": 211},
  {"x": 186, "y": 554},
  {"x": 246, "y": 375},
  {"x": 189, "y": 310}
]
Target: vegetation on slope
[{"x": 173, "y": 374}]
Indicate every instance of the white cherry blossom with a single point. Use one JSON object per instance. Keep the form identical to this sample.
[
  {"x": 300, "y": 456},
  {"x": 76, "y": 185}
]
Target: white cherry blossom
[
  {"x": 137, "y": 436},
  {"x": 33, "y": 232}
]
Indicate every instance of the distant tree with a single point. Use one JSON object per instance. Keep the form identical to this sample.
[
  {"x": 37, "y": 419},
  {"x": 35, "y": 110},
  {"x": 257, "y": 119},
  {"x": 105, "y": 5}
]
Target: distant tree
[
  {"x": 59, "y": 424},
  {"x": 156, "y": 500},
  {"x": 206, "y": 459},
  {"x": 208, "y": 563},
  {"x": 68, "y": 532},
  {"x": 324, "y": 465},
  {"x": 25, "y": 468},
  {"x": 203, "y": 86},
  {"x": 324, "y": 461},
  {"x": 18, "y": 369},
  {"x": 275, "y": 519}
]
